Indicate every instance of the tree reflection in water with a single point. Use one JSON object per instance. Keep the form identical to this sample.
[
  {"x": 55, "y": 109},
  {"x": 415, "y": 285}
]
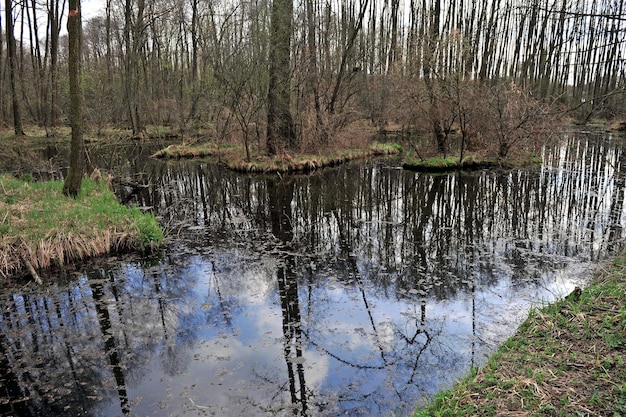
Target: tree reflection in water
[
  {"x": 110, "y": 346},
  {"x": 360, "y": 290},
  {"x": 280, "y": 197}
]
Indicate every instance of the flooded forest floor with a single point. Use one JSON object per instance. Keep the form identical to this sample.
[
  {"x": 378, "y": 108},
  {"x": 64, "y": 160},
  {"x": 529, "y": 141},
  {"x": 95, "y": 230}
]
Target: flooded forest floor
[{"x": 568, "y": 358}]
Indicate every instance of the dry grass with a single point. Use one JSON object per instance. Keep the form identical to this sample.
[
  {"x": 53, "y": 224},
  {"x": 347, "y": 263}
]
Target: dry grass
[
  {"x": 352, "y": 140},
  {"x": 203, "y": 150},
  {"x": 309, "y": 162},
  {"x": 233, "y": 156},
  {"x": 471, "y": 161},
  {"x": 40, "y": 228}
]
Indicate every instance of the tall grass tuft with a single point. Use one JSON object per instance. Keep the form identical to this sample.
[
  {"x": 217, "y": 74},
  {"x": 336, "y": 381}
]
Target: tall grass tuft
[{"x": 41, "y": 228}]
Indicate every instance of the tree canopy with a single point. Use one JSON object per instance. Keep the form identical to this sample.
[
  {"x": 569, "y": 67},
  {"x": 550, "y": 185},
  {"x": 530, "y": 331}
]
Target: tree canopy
[{"x": 206, "y": 63}]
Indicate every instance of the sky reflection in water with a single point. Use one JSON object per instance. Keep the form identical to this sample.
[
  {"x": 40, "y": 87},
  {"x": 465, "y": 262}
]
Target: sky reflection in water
[{"x": 361, "y": 290}]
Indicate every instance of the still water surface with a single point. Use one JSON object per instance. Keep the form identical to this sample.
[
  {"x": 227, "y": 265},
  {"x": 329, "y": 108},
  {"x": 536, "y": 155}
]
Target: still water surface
[{"x": 360, "y": 290}]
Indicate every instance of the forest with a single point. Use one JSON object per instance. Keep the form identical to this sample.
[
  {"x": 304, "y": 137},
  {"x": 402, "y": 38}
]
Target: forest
[
  {"x": 364, "y": 289},
  {"x": 494, "y": 71}
]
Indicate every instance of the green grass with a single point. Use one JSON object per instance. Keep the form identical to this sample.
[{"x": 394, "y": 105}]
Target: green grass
[
  {"x": 470, "y": 161},
  {"x": 566, "y": 359},
  {"x": 449, "y": 163},
  {"x": 38, "y": 224}
]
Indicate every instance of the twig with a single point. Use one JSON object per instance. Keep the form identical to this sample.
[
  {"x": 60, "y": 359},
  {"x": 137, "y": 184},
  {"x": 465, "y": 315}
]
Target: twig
[{"x": 201, "y": 407}]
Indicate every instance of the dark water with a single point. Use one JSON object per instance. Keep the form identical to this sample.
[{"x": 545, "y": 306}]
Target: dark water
[{"x": 359, "y": 290}]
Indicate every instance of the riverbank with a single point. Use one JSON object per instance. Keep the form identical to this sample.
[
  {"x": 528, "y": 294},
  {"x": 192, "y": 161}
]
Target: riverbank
[
  {"x": 567, "y": 359},
  {"x": 40, "y": 228}
]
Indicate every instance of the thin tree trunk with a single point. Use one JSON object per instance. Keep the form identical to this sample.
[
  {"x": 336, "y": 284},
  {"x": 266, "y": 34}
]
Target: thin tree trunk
[
  {"x": 38, "y": 63},
  {"x": 195, "y": 95},
  {"x": 281, "y": 133},
  {"x": 393, "y": 46},
  {"x": 72, "y": 184},
  {"x": 356, "y": 27},
  {"x": 11, "y": 51},
  {"x": 109, "y": 50},
  {"x": 2, "y": 108},
  {"x": 313, "y": 71},
  {"x": 131, "y": 70},
  {"x": 55, "y": 25},
  {"x": 430, "y": 77},
  {"x": 490, "y": 39}
]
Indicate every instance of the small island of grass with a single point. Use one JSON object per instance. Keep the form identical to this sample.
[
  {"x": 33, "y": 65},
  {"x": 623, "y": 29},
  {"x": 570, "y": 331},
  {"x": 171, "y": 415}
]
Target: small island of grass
[
  {"x": 234, "y": 157},
  {"x": 468, "y": 162},
  {"x": 41, "y": 228}
]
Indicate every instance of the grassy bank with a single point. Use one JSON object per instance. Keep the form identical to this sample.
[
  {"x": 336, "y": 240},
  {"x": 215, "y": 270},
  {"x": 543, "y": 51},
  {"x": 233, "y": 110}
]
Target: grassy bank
[
  {"x": 41, "y": 228},
  {"x": 469, "y": 162},
  {"x": 234, "y": 157},
  {"x": 567, "y": 359}
]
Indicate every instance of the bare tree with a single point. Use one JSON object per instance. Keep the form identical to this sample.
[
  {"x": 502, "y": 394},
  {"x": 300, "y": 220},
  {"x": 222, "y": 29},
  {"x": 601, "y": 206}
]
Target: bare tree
[
  {"x": 55, "y": 12},
  {"x": 281, "y": 133},
  {"x": 355, "y": 23},
  {"x": 132, "y": 32},
  {"x": 12, "y": 57},
  {"x": 313, "y": 70},
  {"x": 74, "y": 179}
]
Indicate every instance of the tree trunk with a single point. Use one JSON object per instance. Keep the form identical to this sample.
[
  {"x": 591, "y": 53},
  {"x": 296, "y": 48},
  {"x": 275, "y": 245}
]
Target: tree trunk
[
  {"x": 490, "y": 39},
  {"x": 38, "y": 64},
  {"x": 2, "y": 105},
  {"x": 313, "y": 72},
  {"x": 393, "y": 38},
  {"x": 430, "y": 77},
  {"x": 195, "y": 96},
  {"x": 108, "y": 31},
  {"x": 281, "y": 133},
  {"x": 55, "y": 24},
  {"x": 11, "y": 51},
  {"x": 345, "y": 54},
  {"x": 72, "y": 184},
  {"x": 131, "y": 67}
]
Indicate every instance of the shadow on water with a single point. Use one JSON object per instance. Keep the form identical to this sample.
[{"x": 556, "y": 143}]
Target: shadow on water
[{"x": 361, "y": 290}]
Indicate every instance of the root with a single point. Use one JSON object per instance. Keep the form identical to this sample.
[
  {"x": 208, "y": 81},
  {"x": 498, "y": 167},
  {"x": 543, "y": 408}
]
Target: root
[{"x": 33, "y": 272}]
